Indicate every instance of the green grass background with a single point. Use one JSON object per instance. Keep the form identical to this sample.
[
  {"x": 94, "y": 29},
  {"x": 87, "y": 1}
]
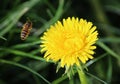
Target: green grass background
[{"x": 21, "y": 61}]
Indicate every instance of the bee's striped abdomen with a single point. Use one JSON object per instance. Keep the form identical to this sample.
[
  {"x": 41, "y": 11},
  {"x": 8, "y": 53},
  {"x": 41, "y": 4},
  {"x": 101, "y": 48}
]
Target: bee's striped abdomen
[
  {"x": 24, "y": 34},
  {"x": 26, "y": 30}
]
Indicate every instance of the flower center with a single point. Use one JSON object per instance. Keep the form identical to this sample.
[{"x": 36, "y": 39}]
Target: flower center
[{"x": 73, "y": 43}]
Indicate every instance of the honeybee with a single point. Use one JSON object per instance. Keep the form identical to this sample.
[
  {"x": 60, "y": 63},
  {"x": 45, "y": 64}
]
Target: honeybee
[{"x": 26, "y": 29}]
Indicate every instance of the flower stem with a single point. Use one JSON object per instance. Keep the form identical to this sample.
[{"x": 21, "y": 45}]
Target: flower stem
[{"x": 82, "y": 76}]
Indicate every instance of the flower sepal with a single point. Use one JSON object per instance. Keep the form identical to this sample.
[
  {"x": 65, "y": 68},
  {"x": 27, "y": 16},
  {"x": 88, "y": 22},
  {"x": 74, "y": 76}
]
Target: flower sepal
[{"x": 69, "y": 71}]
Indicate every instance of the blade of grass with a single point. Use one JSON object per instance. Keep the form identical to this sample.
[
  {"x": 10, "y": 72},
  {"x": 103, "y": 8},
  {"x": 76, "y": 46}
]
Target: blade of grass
[
  {"x": 57, "y": 81},
  {"x": 19, "y": 46},
  {"x": 107, "y": 49},
  {"x": 24, "y": 54},
  {"x": 96, "y": 59},
  {"x": 113, "y": 29},
  {"x": 14, "y": 16},
  {"x": 3, "y": 38},
  {"x": 50, "y": 6},
  {"x": 114, "y": 8},
  {"x": 37, "y": 81},
  {"x": 24, "y": 67},
  {"x": 109, "y": 71},
  {"x": 53, "y": 20},
  {"x": 110, "y": 40},
  {"x": 95, "y": 77},
  {"x": 35, "y": 51},
  {"x": 36, "y": 65}
]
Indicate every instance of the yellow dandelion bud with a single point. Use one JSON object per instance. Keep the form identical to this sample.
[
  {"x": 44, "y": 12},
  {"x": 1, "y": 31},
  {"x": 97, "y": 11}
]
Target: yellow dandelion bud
[{"x": 70, "y": 42}]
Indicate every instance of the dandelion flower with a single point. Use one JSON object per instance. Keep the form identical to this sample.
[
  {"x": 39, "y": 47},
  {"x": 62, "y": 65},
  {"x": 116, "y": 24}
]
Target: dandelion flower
[{"x": 69, "y": 42}]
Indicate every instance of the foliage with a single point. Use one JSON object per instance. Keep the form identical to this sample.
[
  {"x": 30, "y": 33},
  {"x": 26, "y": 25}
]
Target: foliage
[{"x": 22, "y": 62}]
